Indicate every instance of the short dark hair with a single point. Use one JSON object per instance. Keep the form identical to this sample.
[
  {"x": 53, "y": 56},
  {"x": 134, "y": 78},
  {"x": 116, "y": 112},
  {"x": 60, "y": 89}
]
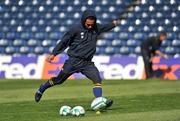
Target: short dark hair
[{"x": 163, "y": 33}]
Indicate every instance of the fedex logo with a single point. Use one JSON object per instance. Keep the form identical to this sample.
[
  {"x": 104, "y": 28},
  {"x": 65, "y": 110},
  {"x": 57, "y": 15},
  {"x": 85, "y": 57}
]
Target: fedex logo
[
  {"x": 167, "y": 69},
  {"x": 109, "y": 67},
  {"x": 18, "y": 67},
  {"x": 115, "y": 68},
  {"x": 29, "y": 67}
]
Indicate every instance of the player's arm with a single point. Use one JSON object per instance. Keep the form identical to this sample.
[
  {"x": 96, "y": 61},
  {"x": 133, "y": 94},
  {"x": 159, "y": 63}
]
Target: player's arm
[
  {"x": 122, "y": 15},
  {"x": 109, "y": 26},
  {"x": 61, "y": 46},
  {"x": 106, "y": 27},
  {"x": 158, "y": 52}
]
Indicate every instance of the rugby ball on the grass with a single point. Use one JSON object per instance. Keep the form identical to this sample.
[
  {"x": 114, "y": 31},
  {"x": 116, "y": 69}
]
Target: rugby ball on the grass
[
  {"x": 78, "y": 111},
  {"x": 98, "y": 103},
  {"x": 65, "y": 110}
]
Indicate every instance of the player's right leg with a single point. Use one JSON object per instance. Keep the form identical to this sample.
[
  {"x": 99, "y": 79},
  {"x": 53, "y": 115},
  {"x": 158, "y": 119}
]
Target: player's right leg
[
  {"x": 62, "y": 76},
  {"x": 53, "y": 81}
]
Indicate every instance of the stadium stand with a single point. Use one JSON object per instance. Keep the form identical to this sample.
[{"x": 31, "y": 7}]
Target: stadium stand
[{"x": 33, "y": 27}]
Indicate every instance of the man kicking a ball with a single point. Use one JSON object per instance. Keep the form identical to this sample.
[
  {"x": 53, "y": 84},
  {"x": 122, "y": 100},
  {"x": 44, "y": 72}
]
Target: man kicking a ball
[{"x": 81, "y": 41}]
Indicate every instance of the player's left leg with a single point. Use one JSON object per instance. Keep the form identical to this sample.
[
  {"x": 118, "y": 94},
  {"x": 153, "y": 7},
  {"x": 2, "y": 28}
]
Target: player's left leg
[{"x": 91, "y": 72}]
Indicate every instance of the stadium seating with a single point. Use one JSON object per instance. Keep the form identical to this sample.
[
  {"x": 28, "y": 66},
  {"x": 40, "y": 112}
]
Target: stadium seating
[{"x": 33, "y": 27}]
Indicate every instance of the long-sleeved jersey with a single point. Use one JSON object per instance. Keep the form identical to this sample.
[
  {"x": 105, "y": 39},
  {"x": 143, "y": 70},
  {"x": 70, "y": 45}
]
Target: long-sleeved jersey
[{"x": 80, "y": 40}]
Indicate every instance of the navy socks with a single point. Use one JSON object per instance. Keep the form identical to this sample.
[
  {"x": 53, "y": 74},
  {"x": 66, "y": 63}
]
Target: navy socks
[
  {"x": 97, "y": 90},
  {"x": 44, "y": 86}
]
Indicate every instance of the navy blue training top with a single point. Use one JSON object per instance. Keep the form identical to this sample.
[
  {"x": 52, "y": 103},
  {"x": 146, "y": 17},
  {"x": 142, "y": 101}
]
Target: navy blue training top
[{"x": 80, "y": 40}]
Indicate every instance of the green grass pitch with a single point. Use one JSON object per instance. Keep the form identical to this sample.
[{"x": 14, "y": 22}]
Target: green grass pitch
[{"x": 134, "y": 100}]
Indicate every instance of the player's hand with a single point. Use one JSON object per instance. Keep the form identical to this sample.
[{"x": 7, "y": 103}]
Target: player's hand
[
  {"x": 116, "y": 22},
  {"x": 165, "y": 56},
  {"x": 50, "y": 58}
]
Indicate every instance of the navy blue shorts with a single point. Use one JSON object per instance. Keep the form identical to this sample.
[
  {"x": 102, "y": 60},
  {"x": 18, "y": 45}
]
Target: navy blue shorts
[{"x": 76, "y": 65}]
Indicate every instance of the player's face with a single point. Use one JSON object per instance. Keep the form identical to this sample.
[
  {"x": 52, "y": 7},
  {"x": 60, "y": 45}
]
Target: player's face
[
  {"x": 163, "y": 37},
  {"x": 89, "y": 23}
]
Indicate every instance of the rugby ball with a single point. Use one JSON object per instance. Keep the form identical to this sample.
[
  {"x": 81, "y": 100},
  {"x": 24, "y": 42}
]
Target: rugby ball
[{"x": 99, "y": 103}]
